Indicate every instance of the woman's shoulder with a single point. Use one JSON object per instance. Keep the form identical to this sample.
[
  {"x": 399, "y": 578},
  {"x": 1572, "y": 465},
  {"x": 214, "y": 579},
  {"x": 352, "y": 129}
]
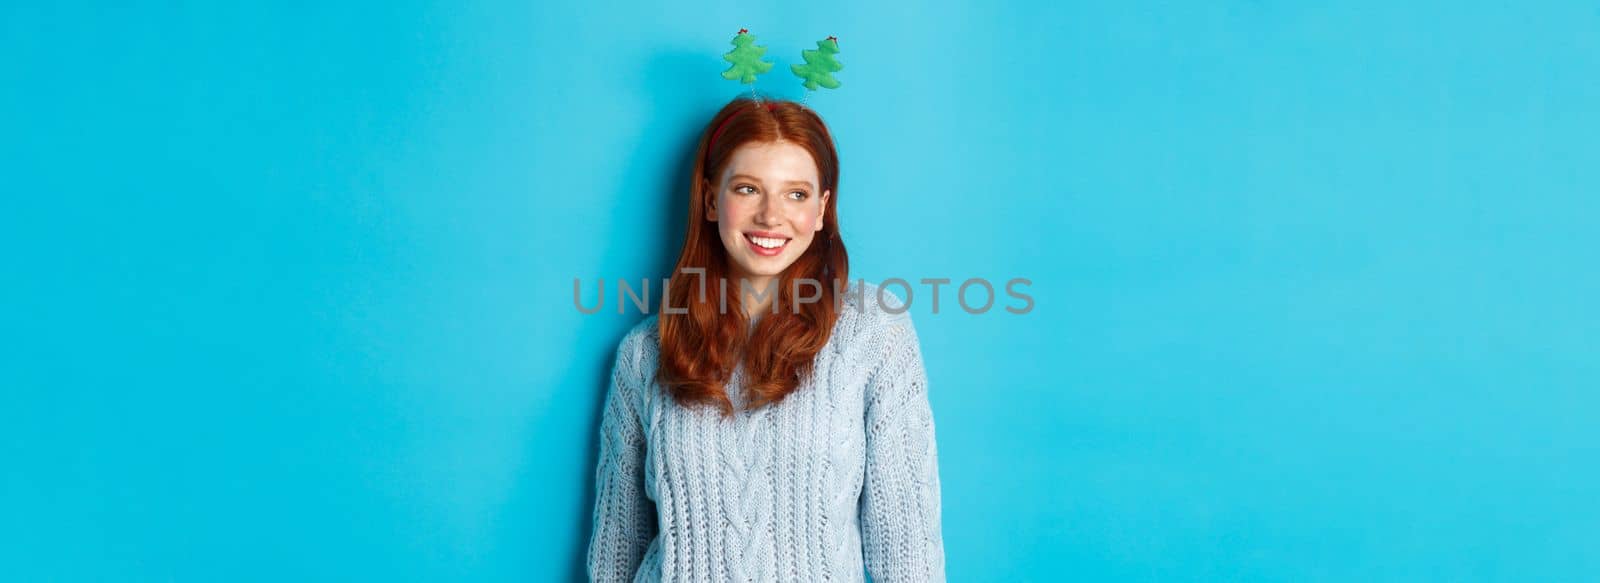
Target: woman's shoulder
[
  {"x": 643, "y": 338},
  {"x": 634, "y": 369},
  {"x": 876, "y": 303},
  {"x": 639, "y": 348},
  {"x": 872, "y": 314}
]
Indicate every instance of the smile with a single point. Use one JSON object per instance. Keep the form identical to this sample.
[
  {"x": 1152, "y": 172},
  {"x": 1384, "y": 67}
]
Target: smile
[{"x": 766, "y": 246}]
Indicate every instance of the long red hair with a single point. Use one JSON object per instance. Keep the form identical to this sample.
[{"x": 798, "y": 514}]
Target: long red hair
[{"x": 699, "y": 349}]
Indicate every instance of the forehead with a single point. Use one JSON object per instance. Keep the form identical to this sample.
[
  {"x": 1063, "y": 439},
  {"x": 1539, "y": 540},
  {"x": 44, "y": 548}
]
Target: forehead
[{"x": 772, "y": 162}]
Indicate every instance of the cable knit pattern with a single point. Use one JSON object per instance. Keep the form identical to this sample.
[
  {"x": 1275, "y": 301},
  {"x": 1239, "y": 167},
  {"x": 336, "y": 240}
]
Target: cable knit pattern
[{"x": 838, "y": 480}]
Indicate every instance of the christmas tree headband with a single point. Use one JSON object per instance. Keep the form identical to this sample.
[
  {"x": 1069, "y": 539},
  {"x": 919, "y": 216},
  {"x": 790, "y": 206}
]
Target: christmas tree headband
[{"x": 818, "y": 71}]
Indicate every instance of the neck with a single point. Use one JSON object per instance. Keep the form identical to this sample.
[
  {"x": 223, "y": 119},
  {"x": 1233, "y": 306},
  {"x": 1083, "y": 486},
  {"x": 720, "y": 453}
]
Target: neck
[{"x": 751, "y": 298}]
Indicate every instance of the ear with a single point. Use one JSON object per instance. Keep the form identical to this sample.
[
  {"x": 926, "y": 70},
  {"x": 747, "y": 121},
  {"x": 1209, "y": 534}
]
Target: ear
[
  {"x": 711, "y": 200},
  {"x": 822, "y": 209}
]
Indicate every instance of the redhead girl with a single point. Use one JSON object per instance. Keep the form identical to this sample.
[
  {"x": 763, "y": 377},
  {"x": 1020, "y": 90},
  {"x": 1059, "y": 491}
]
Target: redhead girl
[{"x": 772, "y": 423}]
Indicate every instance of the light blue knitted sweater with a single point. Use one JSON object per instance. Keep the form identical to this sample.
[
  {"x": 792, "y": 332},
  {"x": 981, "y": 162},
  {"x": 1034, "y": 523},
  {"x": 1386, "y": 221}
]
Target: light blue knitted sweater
[{"x": 840, "y": 476}]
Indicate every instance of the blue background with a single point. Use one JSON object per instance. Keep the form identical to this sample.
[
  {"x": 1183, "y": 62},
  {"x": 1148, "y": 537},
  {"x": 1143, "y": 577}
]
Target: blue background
[{"x": 288, "y": 289}]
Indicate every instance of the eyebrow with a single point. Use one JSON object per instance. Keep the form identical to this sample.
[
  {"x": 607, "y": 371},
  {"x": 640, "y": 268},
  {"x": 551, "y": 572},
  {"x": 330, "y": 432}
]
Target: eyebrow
[{"x": 754, "y": 179}]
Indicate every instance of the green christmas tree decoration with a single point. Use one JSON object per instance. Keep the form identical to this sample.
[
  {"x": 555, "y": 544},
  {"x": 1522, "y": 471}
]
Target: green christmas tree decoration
[
  {"x": 746, "y": 59},
  {"x": 820, "y": 65}
]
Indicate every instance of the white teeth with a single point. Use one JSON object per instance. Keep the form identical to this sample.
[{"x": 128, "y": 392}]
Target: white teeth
[{"x": 768, "y": 243}]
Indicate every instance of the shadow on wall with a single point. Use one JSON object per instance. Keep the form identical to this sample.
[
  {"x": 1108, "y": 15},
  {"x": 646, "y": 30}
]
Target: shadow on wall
[{"x": 655, "y": 184}]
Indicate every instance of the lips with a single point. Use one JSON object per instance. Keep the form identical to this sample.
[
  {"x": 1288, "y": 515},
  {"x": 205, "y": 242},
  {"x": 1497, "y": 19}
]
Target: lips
[{"x": 766, "y": 244}]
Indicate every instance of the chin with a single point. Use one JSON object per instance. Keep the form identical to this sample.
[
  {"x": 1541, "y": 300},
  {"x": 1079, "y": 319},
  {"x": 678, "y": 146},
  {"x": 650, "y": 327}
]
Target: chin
[{"x": 765, "y": 270}]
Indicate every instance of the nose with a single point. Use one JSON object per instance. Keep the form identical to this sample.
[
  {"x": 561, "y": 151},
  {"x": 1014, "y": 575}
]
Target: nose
[{"x": 767, "y": 214}]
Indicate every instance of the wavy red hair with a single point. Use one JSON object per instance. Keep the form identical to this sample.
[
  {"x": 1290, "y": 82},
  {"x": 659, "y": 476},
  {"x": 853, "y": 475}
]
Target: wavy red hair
[{"x": 700, "y": 349}]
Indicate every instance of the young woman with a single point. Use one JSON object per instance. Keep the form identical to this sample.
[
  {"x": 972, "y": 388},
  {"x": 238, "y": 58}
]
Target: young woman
[{"x": 752, "y": 436}]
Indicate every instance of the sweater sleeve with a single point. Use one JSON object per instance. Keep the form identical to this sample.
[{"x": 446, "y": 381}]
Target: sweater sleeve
[
  {"x": 900, "y": 514},
  {"x": 624, "y": 517}
]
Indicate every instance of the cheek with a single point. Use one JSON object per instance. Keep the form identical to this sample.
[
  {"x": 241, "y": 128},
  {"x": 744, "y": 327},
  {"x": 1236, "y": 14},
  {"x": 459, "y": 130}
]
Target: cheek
[
  {"x": 729, "y": 209},
  {"x": 806, "y": 221},
  {"x": 725, "y": 213},
  {"x": 728, "y": 221}
]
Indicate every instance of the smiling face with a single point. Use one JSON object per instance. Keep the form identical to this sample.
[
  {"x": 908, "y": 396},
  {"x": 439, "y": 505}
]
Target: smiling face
[{"x": 768, "y": 208}]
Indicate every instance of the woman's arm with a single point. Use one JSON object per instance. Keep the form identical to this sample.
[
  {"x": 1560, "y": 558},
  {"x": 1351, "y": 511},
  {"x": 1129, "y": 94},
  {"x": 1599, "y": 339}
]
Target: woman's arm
[
  {"x": 900, "y": 528},
  {"x": 624, "y": 518}
]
